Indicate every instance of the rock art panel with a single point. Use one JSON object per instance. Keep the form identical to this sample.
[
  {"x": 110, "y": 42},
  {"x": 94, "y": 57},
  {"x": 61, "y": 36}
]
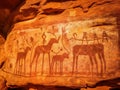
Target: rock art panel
[
  {"x": 71, "y": 43},
  {"x": 65, "y": 49}
]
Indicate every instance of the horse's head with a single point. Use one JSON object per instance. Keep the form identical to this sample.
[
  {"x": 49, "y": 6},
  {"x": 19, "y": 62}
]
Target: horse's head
[
  {"x": 54, "y": 40},
  {"x": 27, "y": 49},
  {"x": 65, "y": 55}
]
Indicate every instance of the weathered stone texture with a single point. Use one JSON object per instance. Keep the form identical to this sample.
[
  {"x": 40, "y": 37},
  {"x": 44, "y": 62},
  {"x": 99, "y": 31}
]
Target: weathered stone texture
[{"x": 73, "y": 43}]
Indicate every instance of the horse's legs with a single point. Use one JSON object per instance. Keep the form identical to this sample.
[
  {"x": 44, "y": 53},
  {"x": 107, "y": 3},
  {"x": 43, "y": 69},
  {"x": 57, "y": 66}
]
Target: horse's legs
[
  {"x": 37, "y": 57},
  {"x": 49, "y": 63},
  {"x": 31, "y": 63},
  {"x": 42, "y": 64},
  {"x": 76, "y": 64},
  {"x": 61, "y": 67},
  {"x": 51, "y": 68},
  {"x": 103, "y": 58},
  {"x": 20, "y": 66},
  {"x": 73, "y": 67},
  {"x": 101, "y": 64},
  {"x": 24, "y": 66},
  {"x": 55, "y": 67},
  {"x": 96, "y": 63},
  {"x": 91, "y": 61},
  {"x": 15, "y": 68}
]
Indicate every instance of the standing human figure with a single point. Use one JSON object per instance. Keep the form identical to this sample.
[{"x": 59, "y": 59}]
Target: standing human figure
[
  {"x": 104, "y": 36},
  {"x": 95, "y": 38},
  {"x": 84, "y": 38}
]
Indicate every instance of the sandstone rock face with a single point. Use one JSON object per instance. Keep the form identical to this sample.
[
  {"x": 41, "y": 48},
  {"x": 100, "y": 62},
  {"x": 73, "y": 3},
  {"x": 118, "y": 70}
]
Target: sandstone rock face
[
  {"x": 6, "y": 8},
  {"x": 2, "y": 84},
  {"x": 2, "y": 53},
  {"x": 65, "y": 43}
]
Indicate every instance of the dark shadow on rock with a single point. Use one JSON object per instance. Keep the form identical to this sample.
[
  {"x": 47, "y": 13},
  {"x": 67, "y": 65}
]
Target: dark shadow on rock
[{"x": 40, "y": 87}]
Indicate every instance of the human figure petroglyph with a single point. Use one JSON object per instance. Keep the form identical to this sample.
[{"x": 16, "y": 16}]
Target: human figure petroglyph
[
  {"x": 95, "y": 37},
  {"x": 85, "y": 38},
  {"x": 104, "y": 36}
]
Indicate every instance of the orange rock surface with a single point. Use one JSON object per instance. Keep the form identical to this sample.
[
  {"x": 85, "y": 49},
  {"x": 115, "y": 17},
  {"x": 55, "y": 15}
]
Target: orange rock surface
[{"x": 73, "y": 43}]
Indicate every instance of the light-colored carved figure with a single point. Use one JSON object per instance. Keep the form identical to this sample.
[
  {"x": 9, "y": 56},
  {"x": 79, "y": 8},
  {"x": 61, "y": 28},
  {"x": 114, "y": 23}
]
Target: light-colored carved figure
[
  {"x": 43, "y": 49},
  {"x": 58, "y": 59}
]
